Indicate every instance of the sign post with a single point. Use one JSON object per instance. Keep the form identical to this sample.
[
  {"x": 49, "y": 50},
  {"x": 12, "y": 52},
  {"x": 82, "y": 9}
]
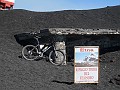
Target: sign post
[{"x": 86, "y": 64}]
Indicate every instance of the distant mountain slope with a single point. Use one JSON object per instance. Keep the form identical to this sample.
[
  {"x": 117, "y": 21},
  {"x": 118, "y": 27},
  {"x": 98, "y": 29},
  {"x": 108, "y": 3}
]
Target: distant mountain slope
[{"x": 108, "y": 17}]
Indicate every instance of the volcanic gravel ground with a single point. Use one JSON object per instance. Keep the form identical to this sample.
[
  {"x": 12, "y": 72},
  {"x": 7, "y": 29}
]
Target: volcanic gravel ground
[{"x": 17, "y": 73}]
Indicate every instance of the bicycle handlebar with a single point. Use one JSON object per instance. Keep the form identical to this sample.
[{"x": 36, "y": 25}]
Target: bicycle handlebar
[{"x": 35, "y": 34}]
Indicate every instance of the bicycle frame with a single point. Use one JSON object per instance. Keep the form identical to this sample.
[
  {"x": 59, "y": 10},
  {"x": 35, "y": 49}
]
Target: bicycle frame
[
  {"x": 32, "y": 52},
  {"x": 44, "y": 48}
]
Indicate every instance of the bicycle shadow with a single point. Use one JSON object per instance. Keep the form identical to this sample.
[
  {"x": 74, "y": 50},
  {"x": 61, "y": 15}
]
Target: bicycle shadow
[{"x": 25, "y": 39}]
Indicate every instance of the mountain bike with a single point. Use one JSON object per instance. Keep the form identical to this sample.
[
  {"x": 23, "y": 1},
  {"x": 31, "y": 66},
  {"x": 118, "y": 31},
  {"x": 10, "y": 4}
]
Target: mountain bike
[{"x": 33, "y": 52}]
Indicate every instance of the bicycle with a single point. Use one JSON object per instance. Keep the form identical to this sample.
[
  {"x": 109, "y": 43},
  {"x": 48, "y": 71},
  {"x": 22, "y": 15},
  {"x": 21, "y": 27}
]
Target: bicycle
[{"x": 33, "y": 52}]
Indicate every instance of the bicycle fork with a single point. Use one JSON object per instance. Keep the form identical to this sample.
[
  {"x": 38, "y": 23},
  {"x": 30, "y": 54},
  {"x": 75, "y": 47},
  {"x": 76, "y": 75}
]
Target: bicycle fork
[{"x": 54, "y": 50}]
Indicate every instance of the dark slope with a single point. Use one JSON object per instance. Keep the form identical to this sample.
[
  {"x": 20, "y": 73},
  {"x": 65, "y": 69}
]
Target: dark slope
[
  {"x": 108, "y": 17},
  {"x": 18, "y": 74}
]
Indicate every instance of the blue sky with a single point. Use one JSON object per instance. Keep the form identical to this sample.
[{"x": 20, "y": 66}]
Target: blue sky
[
  {"x": 80, "y": 56},
  {"x": 57, "y": 5}
]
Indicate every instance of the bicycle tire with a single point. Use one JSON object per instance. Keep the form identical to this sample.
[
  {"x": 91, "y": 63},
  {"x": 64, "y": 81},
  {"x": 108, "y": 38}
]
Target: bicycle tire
[
  {"x": 60, "y": 57},
  {"x": 31, "y": 54}
]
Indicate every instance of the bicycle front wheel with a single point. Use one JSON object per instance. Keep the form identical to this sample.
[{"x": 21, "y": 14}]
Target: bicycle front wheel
[
  {"x": 56, "y": 57},
  {"x": 30, "y": 52}
]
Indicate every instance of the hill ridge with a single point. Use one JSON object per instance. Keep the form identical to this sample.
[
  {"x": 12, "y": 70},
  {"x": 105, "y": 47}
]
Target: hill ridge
[{"x": 106, "y": 18}]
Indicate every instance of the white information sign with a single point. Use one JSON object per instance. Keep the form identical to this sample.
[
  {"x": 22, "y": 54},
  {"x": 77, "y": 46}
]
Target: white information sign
[{"x": 86, "y": 64}]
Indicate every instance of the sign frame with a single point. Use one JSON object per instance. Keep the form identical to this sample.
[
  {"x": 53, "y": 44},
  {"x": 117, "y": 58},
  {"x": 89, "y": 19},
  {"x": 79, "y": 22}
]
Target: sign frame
[{"x": 79, "y": 66}]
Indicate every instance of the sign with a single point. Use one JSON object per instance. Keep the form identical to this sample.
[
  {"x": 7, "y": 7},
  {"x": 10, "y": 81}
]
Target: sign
[{"x": 86, "y": 64}]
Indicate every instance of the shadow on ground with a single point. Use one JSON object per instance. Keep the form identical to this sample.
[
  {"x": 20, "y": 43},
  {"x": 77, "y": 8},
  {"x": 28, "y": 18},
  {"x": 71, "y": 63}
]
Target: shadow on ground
[{"x": 107, "y": 43}]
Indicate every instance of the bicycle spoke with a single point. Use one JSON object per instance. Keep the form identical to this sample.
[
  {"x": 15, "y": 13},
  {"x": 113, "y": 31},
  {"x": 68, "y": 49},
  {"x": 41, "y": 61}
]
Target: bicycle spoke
[
  {"x": 56, "y": 57},
  {"x": 29, "y": 52}
]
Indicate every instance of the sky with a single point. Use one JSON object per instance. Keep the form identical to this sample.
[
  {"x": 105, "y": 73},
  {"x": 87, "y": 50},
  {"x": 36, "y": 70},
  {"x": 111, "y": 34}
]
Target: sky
[
  {"x": 58, "y": 5},
  {"x": 80, "y": 56}
]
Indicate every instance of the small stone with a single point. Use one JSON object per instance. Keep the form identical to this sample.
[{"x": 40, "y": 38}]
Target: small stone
[
  {"x": 112, "y": 60},
  {"x": 112, "y": 81},
  {"x": 118, "y": 75}
]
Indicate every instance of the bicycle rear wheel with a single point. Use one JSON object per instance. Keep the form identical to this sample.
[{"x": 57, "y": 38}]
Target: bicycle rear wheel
[
  {"x": 30, "y": 52},
  {"x": 56, "y": 57}
]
